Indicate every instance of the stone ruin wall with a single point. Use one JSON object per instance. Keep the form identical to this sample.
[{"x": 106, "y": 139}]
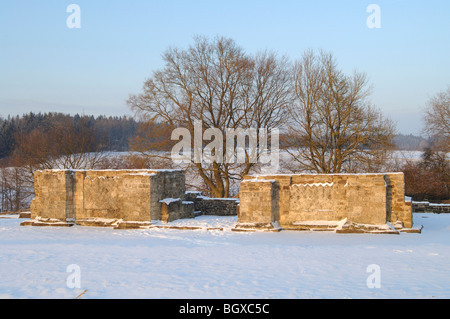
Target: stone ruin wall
[
  {"x": 299, "y": 200},
  {"x": 133, "y": 198},
  {"x": 84, "y": 195},
  {"x": 104, "y": 197}
]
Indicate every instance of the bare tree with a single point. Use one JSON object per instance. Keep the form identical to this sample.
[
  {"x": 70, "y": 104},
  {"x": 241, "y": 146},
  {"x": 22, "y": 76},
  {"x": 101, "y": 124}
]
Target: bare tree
[
  {"x": 437, "y": 120},
  {"x": 6, "y": 191},
  {"x": 152, "y": 136},
  {"x": 437, "y": 127},
  {"x": 217, "y": 84},
  {"x": 332, "y": 126},
  {"x": 75, "y": 145},
  {"x": 63, "y": 145},
  {"x": 15, "y": 190}
]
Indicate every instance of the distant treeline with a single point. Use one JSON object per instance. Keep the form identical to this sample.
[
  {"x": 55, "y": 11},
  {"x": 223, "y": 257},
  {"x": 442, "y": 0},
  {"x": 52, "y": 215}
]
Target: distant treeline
[
  {"x": 112, "y": 133},
  {"x": 411, "y": 142}
]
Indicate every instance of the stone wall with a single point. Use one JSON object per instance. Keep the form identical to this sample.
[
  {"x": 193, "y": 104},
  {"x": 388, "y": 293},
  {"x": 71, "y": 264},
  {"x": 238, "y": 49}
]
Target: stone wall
[
  {"x": 118, "y": 197},
  {"x": 121, "y": 195},
  {"x": 129, "y": 198},
  {"x": 96, "y": 197},
  {"x": 294, "y": 201}
]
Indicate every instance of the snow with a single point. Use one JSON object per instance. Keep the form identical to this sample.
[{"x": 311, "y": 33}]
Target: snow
[
  {"x": 174, "y": 263},
  {"x": 142, "y": 174},
  {"x": 169, "y": 200},
  {"x": 320, "y": 223},
  {"x": 431, "y": 204},
  {"x": 138, "y": 171},
  {"x": 323, "y": 174},
  {"x": 213, "y": 198},
  {"x": 255, "y": 180},
  {"x": 315, "y": 185}
]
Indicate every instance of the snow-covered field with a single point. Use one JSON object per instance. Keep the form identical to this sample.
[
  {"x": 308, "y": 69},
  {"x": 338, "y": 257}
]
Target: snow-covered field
[{"x": 167, "y": 263}]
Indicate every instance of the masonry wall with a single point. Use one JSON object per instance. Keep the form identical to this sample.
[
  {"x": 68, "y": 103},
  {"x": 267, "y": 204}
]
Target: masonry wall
[
  {"x": 129, "y": 195},
  {"x": 114, "y": 195},
  {"x": 361, "y": 198},
  {"x": 288, "y": 200},
  {"x": 101, "y": 197}
]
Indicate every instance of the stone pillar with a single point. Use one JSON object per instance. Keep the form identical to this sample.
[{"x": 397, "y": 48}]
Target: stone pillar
[
  {"x": 398, "y": 209},
  {"x": 284, "y": 195},
  {"x": 54, "y": 201},
  {"x": 258, "y": 201}
]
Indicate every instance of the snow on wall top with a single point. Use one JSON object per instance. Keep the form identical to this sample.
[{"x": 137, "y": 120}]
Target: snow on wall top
[
  {"x": 322, "y": 174},
  {"x": 258, "y": 180},
  {"x": 169, "y": 200},
  {"x": 111, "y": 170},
  {"x": 314, "y": 185}
]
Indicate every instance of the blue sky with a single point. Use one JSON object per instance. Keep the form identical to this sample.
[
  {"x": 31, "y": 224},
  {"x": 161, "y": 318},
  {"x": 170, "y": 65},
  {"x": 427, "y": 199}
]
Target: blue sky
[{"x": 45, "y": 66}]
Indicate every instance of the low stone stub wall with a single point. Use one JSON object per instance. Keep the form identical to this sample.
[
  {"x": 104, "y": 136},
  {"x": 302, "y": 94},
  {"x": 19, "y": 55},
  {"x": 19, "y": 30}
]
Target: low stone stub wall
[
  {"x": 427, "y": 207},
  {"x": 360, "y": 198},
  {"x": 165, "y": 184},
  {"x": 174, "y": 209},
  {"x": 218, "y": 206},
  {"x": 212, "y": 206}
]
